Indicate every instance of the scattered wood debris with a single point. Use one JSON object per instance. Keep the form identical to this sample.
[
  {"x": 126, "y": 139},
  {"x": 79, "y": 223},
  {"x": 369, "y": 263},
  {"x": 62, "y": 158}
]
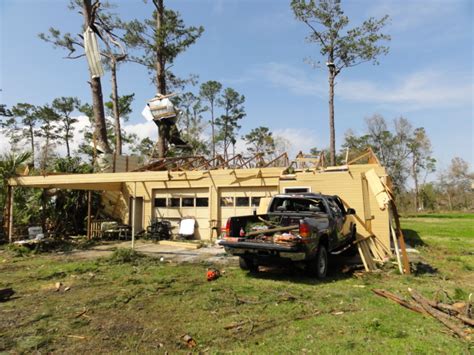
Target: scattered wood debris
[
  {"x": 454, "y": 316},
  {"x": 399, "y": 300},
  {"x": 190, "y": 342},
  {"x": 81, "y": 313}
]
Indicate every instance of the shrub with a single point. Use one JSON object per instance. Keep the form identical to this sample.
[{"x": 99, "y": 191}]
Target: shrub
[{"x": 123, "y": 255}]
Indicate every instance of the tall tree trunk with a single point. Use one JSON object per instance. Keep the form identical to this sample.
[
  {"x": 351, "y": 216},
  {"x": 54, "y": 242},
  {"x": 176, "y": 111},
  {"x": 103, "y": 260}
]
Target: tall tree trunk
[
  {"x": 450, "y": 202},
  {"x": 415, "y": 179},
  {"x": 68, "y": 150},
  {"x": 160, "y": 77},
  {"x": 32, "y": 140},
  {"x": 213, "y": 131},
  {"x": 225, "y": 140},
  {"x": 97, "y": 99},
  {"x": 115, "y": 108},
  {"x": 332, "y": 134}
]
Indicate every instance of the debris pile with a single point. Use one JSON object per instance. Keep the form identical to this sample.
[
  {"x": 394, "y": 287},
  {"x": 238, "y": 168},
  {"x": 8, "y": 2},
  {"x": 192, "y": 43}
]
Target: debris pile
[{"x": 457, "y": 316}]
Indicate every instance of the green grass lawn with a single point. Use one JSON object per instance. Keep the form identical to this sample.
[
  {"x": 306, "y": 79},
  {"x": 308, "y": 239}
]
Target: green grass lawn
[{"x": 141, "y": 305}]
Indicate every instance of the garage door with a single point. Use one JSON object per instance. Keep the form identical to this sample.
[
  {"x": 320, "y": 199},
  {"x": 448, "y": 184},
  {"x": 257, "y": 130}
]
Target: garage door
[
  {"x": 175, "y": 204},
  {"x": 241, "y": 201}
]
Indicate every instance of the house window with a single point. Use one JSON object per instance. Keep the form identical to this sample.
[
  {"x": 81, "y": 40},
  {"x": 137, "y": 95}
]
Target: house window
[
  {"x": 173, "y": 202},
  {"x": 227, "y": 202},
  {"x": 202, "y": 202},
  {"x": 187, "y": 202},
  {"x": 242, "y": 201},
  {"x": 255, "y": 201},
  {"x": 160, "y": 202}
]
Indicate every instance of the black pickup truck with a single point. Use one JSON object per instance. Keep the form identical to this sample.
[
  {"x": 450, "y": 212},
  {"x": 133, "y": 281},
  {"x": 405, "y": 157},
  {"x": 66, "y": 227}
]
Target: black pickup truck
[{"x": 298, "y": 228}]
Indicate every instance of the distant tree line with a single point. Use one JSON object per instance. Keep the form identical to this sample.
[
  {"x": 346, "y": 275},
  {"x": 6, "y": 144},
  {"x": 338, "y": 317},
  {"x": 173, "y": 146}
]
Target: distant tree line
[{"x": 405, "y": 151}]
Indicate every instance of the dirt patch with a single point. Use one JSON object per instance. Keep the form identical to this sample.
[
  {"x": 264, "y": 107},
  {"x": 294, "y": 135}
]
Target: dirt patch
[{"x": 214, "y": 254}]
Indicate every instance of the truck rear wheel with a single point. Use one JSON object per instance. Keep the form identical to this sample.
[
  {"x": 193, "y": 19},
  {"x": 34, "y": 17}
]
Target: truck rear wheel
[
  {"x": 248, "y": 264},
  {"x": 319, "y": 265}
]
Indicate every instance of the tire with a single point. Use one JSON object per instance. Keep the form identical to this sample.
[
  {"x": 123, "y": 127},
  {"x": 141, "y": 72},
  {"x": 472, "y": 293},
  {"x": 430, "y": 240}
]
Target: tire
[
  {"x": 319, "y": 265},
  {"x": 248, "y": 264}
]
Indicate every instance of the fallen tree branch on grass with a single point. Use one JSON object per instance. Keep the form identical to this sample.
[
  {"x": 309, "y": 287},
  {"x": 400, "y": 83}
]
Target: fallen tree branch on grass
[
  {"x": 399, "y": 300},
  {"x": 442, "y": 317}
]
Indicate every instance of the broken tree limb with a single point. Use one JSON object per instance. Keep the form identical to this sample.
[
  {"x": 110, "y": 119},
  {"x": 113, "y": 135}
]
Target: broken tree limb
[
  {"x": 272, "y": 230},
  {"x": 399, "y": 300},
  {"x": 442, "y": 317},
  {"x": 447, "y": 308},
  {"x": 451, "y": 311},
  {"x": 81, "y": 313},
  {"x": 264, "y": 221},
  {"x": 465, "y": 319}
]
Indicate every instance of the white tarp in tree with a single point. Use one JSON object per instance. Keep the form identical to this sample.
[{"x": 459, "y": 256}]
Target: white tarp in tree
[{"x": 91, "y": 48}]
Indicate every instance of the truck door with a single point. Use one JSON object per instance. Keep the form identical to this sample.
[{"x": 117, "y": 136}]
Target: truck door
[{"x": 338, "y": 216}]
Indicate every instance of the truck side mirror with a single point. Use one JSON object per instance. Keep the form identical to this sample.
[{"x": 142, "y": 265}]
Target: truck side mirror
[{"x": 351, "y": 211}]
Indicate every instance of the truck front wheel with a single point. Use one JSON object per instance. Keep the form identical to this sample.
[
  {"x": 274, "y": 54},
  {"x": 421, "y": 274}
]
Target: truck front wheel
[
  {"x": 319, "y": 265},
  {"x": 248, "y": 264}
]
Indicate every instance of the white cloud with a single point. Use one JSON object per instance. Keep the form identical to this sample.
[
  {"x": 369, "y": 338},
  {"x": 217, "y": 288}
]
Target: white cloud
[
  {"x": 300, "y": 139},
  {"x": 294, "y": 79},
  {"x": 4, "y": 145},
  {"x": 418, "y": 90},
  {"x": 421, "y": 89},
  {"x": 409, "y": 15},
  {"x": 143, "y": 129}
]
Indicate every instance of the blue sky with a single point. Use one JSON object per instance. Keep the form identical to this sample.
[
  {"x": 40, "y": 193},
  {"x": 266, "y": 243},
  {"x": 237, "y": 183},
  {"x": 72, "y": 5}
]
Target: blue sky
[{"x": 258, "y": 48}]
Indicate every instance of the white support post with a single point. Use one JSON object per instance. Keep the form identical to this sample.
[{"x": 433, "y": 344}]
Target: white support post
[{"x": 133, "y": 211}]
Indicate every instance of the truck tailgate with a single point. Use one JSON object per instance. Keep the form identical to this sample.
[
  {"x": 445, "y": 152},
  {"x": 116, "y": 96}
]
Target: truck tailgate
[{"x": 259, "y": 246}]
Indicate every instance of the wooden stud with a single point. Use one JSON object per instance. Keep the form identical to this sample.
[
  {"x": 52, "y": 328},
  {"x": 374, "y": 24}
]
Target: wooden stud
[
  {"x": 133, "y": 215},
  {"x": 394, "y": 213},
  {"x": 395, "y": 244},
  {"x": 89, "y": 213}
]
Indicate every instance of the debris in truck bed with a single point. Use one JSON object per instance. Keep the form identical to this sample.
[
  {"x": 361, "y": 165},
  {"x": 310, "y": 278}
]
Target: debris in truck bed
[
  {"x": 273, "y": 230},
  {"x": 286, "y": 239}
]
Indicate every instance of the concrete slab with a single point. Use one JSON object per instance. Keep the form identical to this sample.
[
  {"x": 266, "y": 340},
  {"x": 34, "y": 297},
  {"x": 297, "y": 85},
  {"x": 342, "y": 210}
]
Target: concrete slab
[{"x": 214, "y": 254}]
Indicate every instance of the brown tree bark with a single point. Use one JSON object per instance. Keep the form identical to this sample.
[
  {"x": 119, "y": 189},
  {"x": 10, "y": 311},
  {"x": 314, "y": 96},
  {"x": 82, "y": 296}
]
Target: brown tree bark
[
  {"x": 213, "y": 132},
  {"x": 160, "y": 76},
  {"x": 32, "y": 141},
  {"x": 417, "y": 189},
  {"x": 115, "y": 108},
  {"x": 332, "y": 134},
  {"x": 97, "y": 98}
]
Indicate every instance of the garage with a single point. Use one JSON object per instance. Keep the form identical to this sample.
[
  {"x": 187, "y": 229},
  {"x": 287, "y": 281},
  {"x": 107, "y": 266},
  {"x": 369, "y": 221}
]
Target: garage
[
  {"x": 241, "y": 201},
  {"x": 176, "y": 204}
]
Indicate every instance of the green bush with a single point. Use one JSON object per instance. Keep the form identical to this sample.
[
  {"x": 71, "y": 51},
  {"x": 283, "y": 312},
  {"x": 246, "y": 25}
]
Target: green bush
[
  {"x": 18, "y": 250},
  {"x": 123, "y": 255}
]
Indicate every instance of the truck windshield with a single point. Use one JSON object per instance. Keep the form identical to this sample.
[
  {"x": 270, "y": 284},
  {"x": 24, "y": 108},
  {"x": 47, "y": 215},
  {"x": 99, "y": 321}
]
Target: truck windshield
[{"x": 298, "y": 205}]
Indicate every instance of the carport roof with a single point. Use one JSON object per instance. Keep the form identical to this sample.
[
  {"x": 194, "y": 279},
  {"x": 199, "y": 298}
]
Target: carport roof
[{"x": 114, "y": 181}]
